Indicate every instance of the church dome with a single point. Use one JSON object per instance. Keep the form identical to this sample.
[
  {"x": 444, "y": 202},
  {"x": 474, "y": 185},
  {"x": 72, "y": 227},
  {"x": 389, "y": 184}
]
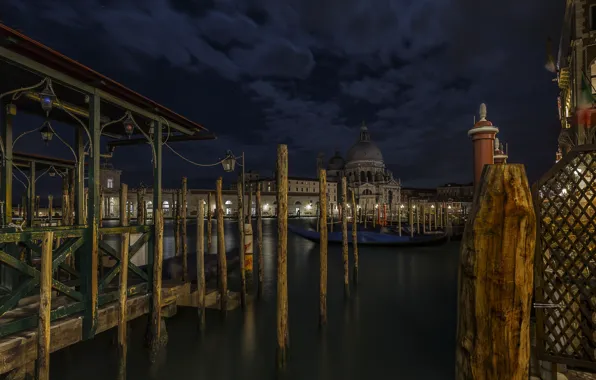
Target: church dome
[
  {"x": 364, "y": 149},
  {"x": 336, "y": 162}
]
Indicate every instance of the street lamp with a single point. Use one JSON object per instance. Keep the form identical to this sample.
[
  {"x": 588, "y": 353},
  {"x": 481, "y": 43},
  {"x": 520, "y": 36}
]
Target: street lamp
[
  {"x": 46, "y": 132},
  {"x": 229, "y": 163},
  {"x": 47, "y": 97},
  {"x": 129, "y": 126}
]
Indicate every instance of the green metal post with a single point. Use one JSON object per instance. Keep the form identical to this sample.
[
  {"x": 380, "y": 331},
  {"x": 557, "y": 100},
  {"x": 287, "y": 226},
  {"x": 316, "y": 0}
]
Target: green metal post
[
  {"x": 31, "y": 200},
  {"x": 89, "y": 255},
  {"x": 80, "y": 177},
  {"x": 157, "y": 195},
  {"x": 7, "y": 112}
]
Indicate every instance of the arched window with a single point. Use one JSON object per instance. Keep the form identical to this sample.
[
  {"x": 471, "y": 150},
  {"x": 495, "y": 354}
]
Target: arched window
[
  {"x": 298, "y": 203},
  {"x": 166, "y": 206},
  {"x": 369, "y": 176},
  {"x": 228, "y": 202},
  {"x": 362, "y": 176}
]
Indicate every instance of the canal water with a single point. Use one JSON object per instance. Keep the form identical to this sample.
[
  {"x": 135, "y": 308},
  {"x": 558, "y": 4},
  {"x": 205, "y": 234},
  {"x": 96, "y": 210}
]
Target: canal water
[{"x": 399, "y": 323}]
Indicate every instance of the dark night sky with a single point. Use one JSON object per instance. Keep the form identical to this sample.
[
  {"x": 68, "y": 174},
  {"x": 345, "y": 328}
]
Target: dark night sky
[{"x": 307, "y": 72}]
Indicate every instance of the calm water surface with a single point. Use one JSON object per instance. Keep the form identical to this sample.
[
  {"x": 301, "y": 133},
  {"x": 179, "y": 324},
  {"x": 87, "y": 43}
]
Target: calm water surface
[{"x": 399, "y": 323}]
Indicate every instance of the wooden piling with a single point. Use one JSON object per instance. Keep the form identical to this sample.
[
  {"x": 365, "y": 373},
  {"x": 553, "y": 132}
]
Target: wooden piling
[
  {"x": 50, "y": 207},
  {"x": 122, "y": 309},
  {"x": 399, "y": 208},
  {"x": 323, "y": 248},
  {"x": 201, "y": 263},
  {"x": 418, "y": 219},
  {"x": 260, "y": 241},
  {"x": 209, "y": 224},
  {"x": 496, "y": 278},
  {"x": 411, "y": 211},
  {"x": 65, "y": 203},
  {"x": 140, "y": 207},
  {"x": 332, "y": 219},
  {"x": 45, "y": 307},
  {"x": 123, "y": 198},
  {"x": 156, "y": 341},
  {"x": 344, "y": 234},
  {"x": 183, "y": 207},
  {"x": 365, "y": 213},
  {"x": 282, "y": 256},
  {"x": 177, "y": 224},
  {"x": 355, "y": 239},
  {"x": 241, "y": 244},
  {"x": 71, "y": 196},
  {"x": 221, "y": 251}
]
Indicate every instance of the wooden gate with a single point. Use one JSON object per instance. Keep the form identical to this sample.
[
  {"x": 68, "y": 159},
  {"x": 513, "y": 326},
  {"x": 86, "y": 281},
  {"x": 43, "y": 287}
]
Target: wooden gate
[{"x": 565, "y": 272}]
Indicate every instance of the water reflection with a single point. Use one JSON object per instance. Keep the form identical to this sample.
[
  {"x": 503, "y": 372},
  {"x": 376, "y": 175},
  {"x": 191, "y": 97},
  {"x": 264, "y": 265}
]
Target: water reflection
[{"x": 400, "y": 321}]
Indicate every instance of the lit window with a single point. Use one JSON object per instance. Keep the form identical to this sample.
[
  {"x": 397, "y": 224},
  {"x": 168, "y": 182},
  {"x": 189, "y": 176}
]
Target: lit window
[{"x": 110, "y": 183}]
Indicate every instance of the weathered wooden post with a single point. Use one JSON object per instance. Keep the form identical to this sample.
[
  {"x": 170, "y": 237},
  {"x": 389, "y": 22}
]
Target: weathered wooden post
[
  {"x": 323, "y": 248},
  {"x": 221, "y": 250},
  {"x": 156, "y": 333},
  {"x": 282, "y": 256},
  {"x": 355, "y": 239},
  {"x": 365, "y": 213},
  {"x": 241, "y": 244},
  {"x": 50, "y": 207},
  {"x": 399, "y": 208},
  {"x": 344, "y": 235},
  {"x": 45, "y": 307},
  {"x": 201, "y": 263},
  {"x": 260, "y": 241},
  {"x": 140, "y": 207},
  {"x": 184, "y": 208},
  {"x": 177, "y": 209},
  {"x": 411, "y": 209},
  {"x": 65, "y": 203},
  {"x": 123, "y": 197},
  {"x": 71, "y": 196},
  {"x": 496, "y": 278},
  {"x": 209, "y": 224},
  {"x": 122, "y": 308}
]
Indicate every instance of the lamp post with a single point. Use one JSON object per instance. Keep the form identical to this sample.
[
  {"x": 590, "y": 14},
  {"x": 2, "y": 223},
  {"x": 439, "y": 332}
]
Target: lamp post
[{"x": 229, "y": 164}]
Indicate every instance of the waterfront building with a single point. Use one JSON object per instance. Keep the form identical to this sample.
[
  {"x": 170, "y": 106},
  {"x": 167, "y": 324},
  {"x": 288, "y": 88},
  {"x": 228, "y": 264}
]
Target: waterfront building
[
  {"x": 575, "y": 71},
  {"x": 366, "y": 173}
]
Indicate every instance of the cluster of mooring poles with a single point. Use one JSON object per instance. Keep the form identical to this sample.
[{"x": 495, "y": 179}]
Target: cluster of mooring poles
[{"x": 496, "y": 276}]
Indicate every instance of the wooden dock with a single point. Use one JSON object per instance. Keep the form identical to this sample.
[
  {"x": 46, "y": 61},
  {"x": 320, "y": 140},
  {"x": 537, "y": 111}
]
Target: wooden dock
[{"x": 19, "y": 350}]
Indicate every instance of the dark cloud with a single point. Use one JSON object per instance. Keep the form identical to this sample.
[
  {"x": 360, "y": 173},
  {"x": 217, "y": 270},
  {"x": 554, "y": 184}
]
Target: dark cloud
[{"x": 307, "y": 72}]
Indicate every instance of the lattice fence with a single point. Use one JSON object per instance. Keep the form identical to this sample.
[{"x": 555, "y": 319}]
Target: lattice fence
[{"x": 565, "y": 201}]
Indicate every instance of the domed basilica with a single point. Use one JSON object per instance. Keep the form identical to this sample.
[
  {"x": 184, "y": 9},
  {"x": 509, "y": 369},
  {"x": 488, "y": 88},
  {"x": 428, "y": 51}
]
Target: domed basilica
[{"x": 365, "y": 172}]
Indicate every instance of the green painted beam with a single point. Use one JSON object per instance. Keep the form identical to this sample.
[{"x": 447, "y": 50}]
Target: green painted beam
[
  {"x": 6, "y": 115},
  {"x": 123, "y": 229},
  {"x": 90, "y": 255},
  {"x": 32, "y": 320},
  {"x": 37, "y": 234},
  {"x": 65, "y": 250},
  {"x": 80, "y": 176},
  {"x": 115, "y": 254},
  {"x": 139, "y": 243}
]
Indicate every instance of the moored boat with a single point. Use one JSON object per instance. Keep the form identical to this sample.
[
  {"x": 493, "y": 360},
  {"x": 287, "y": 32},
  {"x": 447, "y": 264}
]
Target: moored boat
[{"x": 372, "y": 238}]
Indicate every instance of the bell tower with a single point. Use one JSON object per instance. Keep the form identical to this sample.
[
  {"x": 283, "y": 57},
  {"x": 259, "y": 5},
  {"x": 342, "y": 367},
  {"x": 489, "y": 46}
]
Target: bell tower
[{"x": 483, "y": 139}]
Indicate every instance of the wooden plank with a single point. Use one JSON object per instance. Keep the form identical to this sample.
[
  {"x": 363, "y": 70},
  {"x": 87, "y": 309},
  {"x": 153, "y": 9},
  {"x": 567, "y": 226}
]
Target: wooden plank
[
  {"x": 496, "y": 278},
  {"x": 121, "y": 229},
  {"x": 122, "y": 304},
  {"x": 323, "y": 247},
  {"x": 18, "y": 350},
  {"x": 282, "y": 255}
]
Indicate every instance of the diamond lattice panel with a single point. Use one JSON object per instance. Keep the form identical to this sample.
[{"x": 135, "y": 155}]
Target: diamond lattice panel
[{"x": 567, "y": 211}]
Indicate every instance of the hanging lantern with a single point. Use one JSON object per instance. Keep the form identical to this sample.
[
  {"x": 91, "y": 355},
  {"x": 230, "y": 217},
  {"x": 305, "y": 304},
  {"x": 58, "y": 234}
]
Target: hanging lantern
[
  {"x": 129, "y": 126},
  {"x": 52, "y": 174},
  {"x": 229, "y": 163},
  {"x": 47, "y": 98},
  {"x": 46, "y": 132}
]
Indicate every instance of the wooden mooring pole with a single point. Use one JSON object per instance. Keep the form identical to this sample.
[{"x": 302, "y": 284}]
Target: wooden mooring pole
[
  {"x": 177, "y": 250},
  {"x": 496, "y": 278},
  {"x": 355, "y": 239},
  {"x": 260, "y": 241},
  {"x": 241, "y": 243},
  {"x": 282, "y": 256},
  {"x": 183, "y": 208},
  {"x": 45, "y": 307},
  {"x": 344, "y": 235},
  {"x": 156, "y": 338},
  {"x": 323, "y": 248},
  {"x": 122, "y": 308},
  {"x": 201, "y": 263},
  {"x": 209, "y": 224},
  {"x": 221, "y": 251}
]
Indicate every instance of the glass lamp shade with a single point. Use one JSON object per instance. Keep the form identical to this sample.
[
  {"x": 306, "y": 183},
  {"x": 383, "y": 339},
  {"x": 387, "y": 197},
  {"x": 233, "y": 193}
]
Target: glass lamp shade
[
  {"x": 46, "y": 132},
  {"x": 229, "y": 163}
]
